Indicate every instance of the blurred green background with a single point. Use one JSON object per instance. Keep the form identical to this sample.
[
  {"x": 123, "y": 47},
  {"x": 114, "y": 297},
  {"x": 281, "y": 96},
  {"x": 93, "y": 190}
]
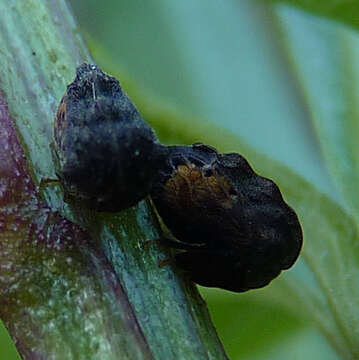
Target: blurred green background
[{"x": 223, "y": 63}]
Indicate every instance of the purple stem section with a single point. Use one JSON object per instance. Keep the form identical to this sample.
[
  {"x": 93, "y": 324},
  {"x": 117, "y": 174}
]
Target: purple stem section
[{"x": 59, "y": 296}]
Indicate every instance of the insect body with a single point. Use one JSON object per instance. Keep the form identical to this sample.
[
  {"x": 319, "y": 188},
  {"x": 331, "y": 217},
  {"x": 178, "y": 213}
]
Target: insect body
[
  {"x": 234, "y": 228},
  {"x": 105, "y": 154}
]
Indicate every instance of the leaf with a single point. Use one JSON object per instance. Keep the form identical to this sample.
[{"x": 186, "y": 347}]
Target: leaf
[
  {"x": 329, "y": 78},
  {"x": 345, "y": 11},
  {"x": 263, "y": 323}
]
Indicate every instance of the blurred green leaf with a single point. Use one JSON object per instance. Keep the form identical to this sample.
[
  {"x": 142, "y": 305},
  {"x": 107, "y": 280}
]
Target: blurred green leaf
[
  {"x": 250, "y": 317},
  {"x": 345, "y": 11},
  {"x": 325, "y": 59}
]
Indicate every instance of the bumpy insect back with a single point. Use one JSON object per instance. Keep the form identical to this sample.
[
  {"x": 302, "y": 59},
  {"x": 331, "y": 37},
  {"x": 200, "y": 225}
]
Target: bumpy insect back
[
  {"x": 236, "y": 231},
  {"x": 105, "y": 154}
]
